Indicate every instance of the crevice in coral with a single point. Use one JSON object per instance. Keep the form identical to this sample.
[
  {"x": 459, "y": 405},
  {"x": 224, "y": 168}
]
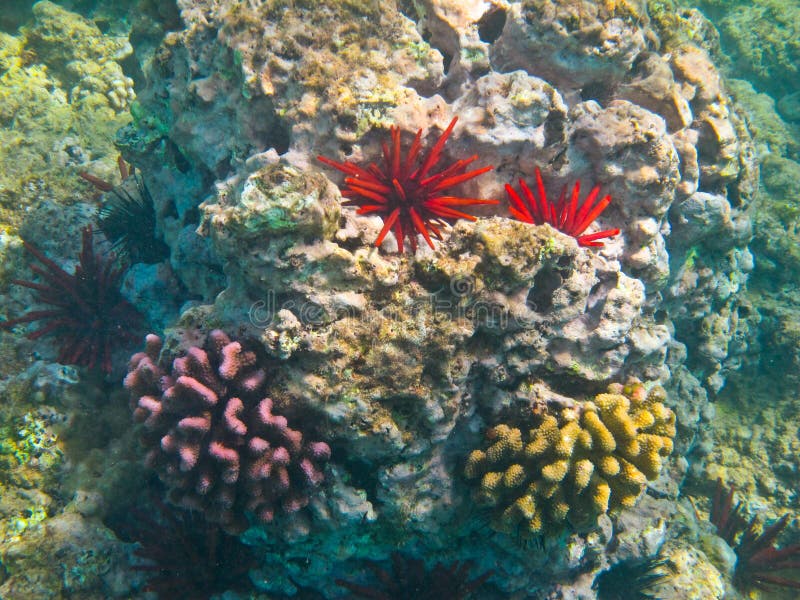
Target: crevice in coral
[
  {"x": 600, "y": 90},
  {"x": 491, "y": 24},
  {"x": 545, "y": 283}
]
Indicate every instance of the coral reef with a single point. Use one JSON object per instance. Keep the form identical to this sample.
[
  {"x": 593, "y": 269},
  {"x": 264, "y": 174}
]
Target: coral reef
[
  {"x": 760, "y": 38},
  {"x": 66, "y": 555},
  {"x": 571, "y": 467},
  {"x": 402, "y": 360},
  {"x": 411, "y": 198},
  {"x": 213, "y": 437},
  {"x": 88, "y": 316}
]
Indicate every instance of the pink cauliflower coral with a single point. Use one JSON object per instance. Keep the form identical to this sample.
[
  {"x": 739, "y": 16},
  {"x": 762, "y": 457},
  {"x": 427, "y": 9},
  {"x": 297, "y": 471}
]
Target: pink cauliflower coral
[{"x": 213, "y": 437}]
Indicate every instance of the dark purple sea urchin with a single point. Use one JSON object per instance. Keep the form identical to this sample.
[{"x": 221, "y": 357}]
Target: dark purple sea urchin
[{"x": 88, "y": 315}]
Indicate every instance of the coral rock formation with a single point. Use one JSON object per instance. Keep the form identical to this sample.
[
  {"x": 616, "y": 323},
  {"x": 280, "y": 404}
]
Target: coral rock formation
[
  {"x": 215, "y": 440},
  {"x": 583, "y": 462}
]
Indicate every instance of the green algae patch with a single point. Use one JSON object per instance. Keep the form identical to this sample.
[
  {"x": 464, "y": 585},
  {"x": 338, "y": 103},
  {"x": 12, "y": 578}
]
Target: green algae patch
[
  {"x": 63, "y": 95},
  {"x": 277, "y": 200}
]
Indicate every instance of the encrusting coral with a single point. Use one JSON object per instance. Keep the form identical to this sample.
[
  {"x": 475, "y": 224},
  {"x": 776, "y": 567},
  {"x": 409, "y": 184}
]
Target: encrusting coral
[
  {"x": 587, "y": 460},
  {"x": 213, "y": 437}
]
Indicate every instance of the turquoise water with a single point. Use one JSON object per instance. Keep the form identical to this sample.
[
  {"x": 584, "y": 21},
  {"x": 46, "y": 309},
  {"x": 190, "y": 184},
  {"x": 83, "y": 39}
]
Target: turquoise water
[{"x": 260, "y": 341}]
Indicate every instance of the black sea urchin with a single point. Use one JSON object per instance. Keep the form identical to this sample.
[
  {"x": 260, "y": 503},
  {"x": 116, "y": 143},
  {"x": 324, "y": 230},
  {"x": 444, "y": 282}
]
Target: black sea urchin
[{"x": 128, "y": 220}]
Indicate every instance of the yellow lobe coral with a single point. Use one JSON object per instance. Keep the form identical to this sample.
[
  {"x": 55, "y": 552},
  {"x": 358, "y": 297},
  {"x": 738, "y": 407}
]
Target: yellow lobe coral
[
  {"x": 660, "y": 412},
  {"x": 582, "y": 474},
  {"x": 591, "y": 458},
  {"x": 584, "y": 441},
  {"x": 630, "y": 448},
  {"x": 514, "y": 476},
  {"x": 609, "y": 402},
  {"x": 526, "y": 506},
  {"x": 649, "y": 460},
  {"x": 559, "y": 510},
  {"x": 620, "y": 423},
  {"x": 601, "y": 495},
  {"x": 537, "y": 447},
  {"x": 567, "y": 438},
  {"x": 608, "y": 465},
  {"x": 602, "y": 438},
  {"x": 556, "y": 471},
  {"x": 536, "y": 523},
  {"x": 509, "y": 441},
  {"x": 630, "y": 474},
  {"x": 476, "y": 464},
  {"x": 491, "y": 481},
  {"x": 643, "y": 419},
  {"x": 544, "y": 489}
]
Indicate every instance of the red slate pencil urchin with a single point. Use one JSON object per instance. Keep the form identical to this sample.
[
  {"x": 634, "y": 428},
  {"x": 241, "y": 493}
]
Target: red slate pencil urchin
[
  {"x": 564, "y": 215},
  {"x": 405, "y": 193}
]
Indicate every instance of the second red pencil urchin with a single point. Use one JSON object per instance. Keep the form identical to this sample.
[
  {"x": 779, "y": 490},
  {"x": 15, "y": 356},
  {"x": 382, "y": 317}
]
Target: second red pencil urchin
[
  {"x": 565, "y": 214},
  {"x": 407, "y": 192}
]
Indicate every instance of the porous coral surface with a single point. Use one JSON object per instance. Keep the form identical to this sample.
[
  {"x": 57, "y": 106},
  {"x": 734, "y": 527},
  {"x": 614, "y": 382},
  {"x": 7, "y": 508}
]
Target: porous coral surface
[{"x": 63, "y": 95}]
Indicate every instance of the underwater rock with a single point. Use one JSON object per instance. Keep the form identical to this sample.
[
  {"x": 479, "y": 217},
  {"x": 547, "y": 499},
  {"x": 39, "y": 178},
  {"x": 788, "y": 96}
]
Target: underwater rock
[
  {"x": 406, "y": 359},
  {"x": 789, "y": 107},
  {"x": 64, "y": 87},
  {"x": 570, "y": 44},
  {"x": 68, "y": 555}
]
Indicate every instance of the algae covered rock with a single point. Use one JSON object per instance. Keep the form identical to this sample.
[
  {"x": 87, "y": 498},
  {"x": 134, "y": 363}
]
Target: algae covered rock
[
  {"x": 63, "y": 95},
  {"x": 576, "y": 463}
]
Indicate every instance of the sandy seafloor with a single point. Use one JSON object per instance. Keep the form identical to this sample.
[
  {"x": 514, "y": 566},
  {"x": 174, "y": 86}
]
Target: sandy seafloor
[{"x": 508, "y": 411}]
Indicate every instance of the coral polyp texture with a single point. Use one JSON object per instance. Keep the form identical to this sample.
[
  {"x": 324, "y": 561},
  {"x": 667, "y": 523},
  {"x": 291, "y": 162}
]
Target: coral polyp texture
[
  {"x": 215, "y": 440},
  {"x": 574, "y": 465},
  {"x": 87, "y": 314},
  {"x": 566, "y": 214},
  {"x": 406, "y": 193}
]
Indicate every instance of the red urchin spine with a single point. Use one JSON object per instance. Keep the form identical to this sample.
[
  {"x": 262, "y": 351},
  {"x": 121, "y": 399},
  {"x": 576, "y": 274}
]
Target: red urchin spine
[{"x": 410, "y": 200}]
